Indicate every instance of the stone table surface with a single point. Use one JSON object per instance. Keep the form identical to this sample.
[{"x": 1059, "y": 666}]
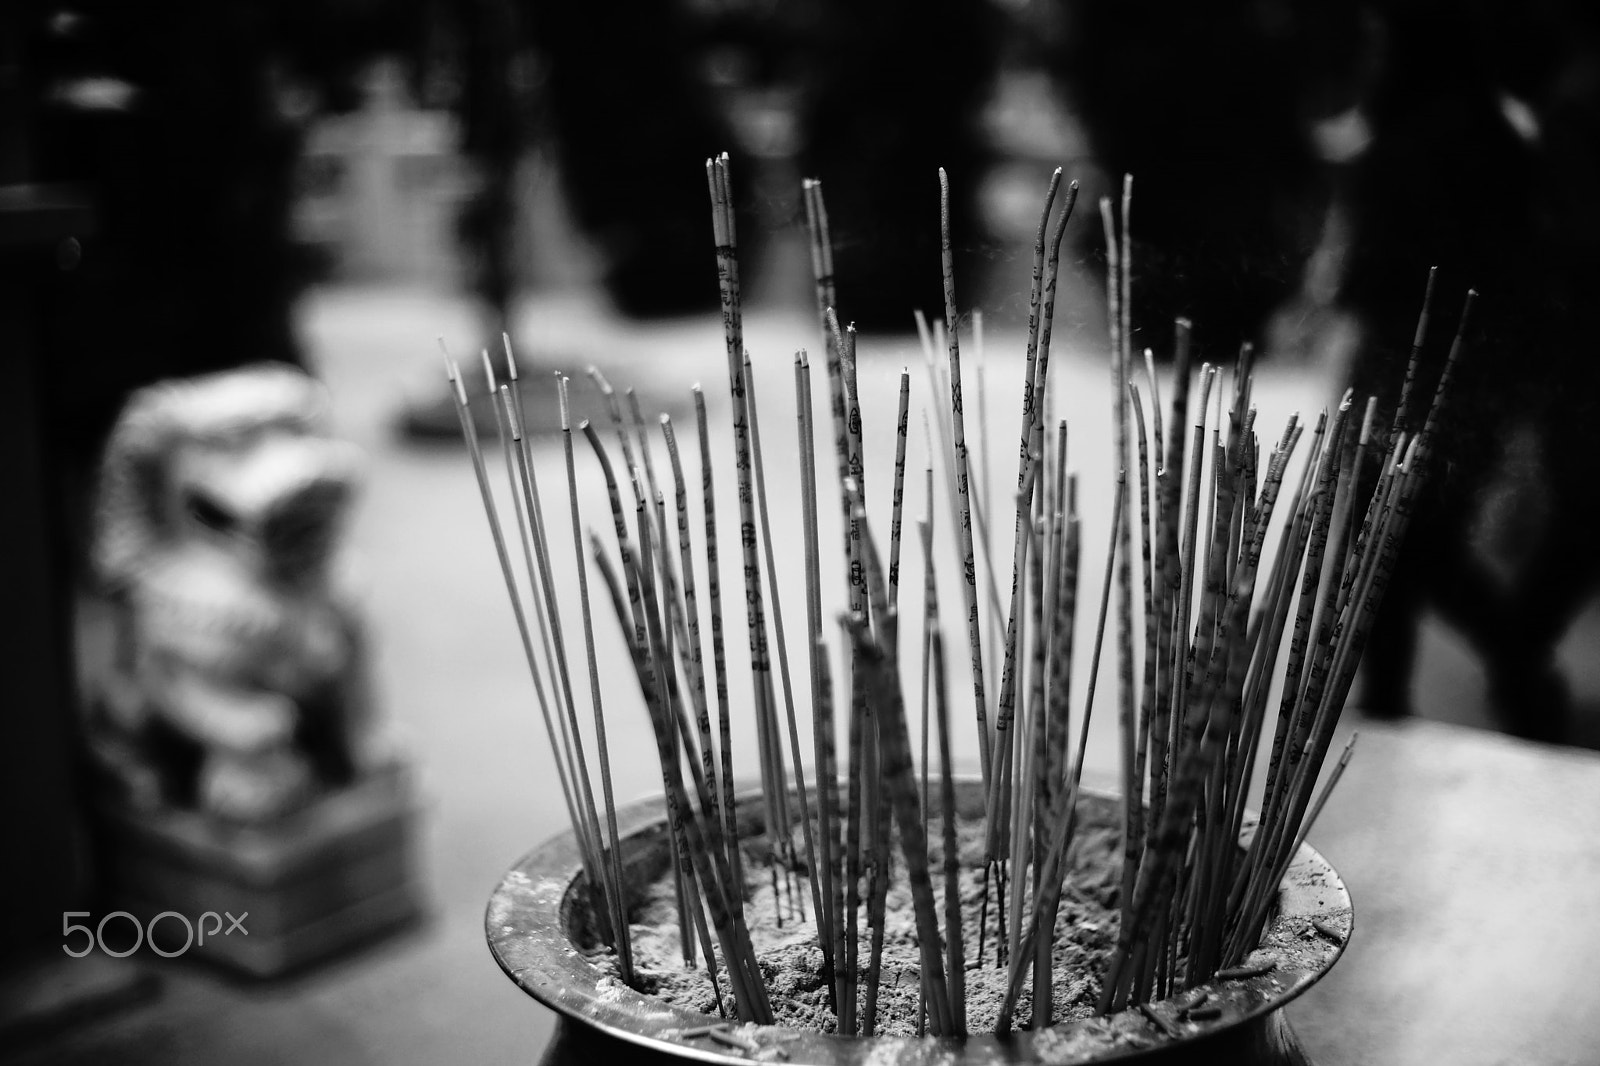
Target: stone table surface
[
  {"x": 1472, "y": 859},
  {"x": 1474, "y": 864}
]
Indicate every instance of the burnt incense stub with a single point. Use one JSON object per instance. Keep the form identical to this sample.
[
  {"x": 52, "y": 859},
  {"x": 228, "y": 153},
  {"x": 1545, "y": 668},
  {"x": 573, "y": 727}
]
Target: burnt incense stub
[{"x": 536, "y": 927}]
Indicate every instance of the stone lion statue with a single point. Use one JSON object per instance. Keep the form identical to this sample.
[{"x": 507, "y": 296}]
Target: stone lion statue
[{"x": 238, "y": 679}]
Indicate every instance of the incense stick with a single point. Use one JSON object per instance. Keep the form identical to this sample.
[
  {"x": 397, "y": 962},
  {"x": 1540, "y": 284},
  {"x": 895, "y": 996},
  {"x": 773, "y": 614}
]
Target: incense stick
[
  {"x": 1041, "y": 309},
  {"x": 718, "y": 648},
  {"x": 470, "y": 434},
  {"x": 1119, "y": 316},
  {"x": 1193, "y": 683},
  {"x": 963, "y": 498},
  {"x": 821, "y": 699},
  {"x": 616, "y": 882},
  {"x": 783, "y": 653}
]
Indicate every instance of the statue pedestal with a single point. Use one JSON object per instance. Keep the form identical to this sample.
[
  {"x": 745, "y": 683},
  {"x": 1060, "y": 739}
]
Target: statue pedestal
[{"x": 304, "y": 887}]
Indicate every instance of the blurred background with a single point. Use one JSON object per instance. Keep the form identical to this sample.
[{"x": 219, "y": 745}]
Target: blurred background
[{"x": 192, "y": 186}]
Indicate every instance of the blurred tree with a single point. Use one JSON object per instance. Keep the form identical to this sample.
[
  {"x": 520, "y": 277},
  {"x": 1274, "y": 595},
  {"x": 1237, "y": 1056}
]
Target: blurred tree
[
  {"x": 632, "y": 122},
  {"x": 893, "y": 91},
  {"x": 492, "y": 101},
  {"x": 183, "y": 121},
  {"x": 1483, "y": 158},
  {"x": 1209, "y": 107}
]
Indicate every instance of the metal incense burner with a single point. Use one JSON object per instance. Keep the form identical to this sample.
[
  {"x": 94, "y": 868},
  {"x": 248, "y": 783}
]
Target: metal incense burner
[{"x": 535, "y": 918}]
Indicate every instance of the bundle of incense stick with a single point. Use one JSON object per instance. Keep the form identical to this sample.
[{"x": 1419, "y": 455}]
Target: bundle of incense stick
[{"x": 1214, "y": 549}]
